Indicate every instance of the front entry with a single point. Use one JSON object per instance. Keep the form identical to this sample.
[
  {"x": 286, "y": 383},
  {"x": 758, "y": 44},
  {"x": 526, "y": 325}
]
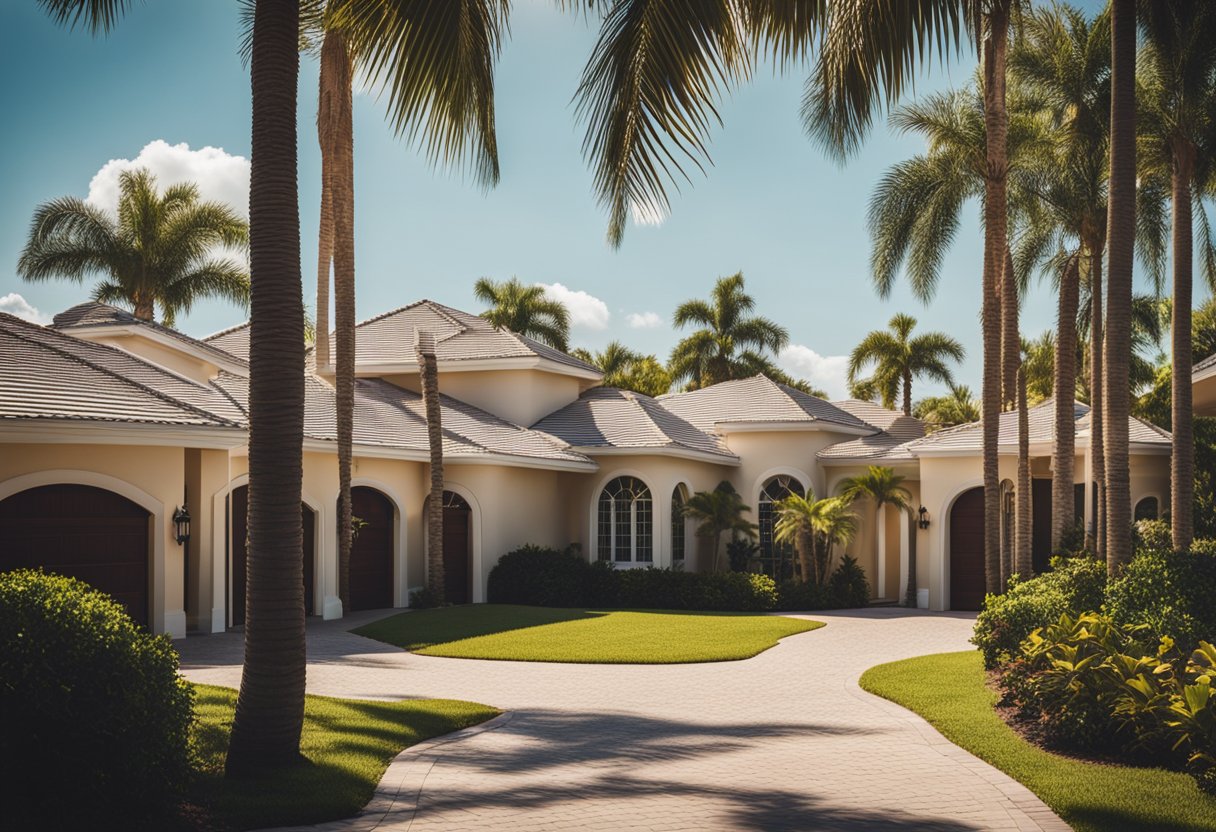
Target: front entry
[
  {"x": 457, "y": 549},
  {"x": 371, "y": 554},
  {"x": 83, "y": 532},
  {"x": 967, "y": 587},
  {"x": 240, "y": 535}
]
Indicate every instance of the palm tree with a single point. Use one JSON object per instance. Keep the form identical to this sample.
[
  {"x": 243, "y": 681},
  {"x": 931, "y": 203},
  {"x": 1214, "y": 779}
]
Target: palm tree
[
  {"x": 883, "y": 487},
  {"x": 898, "y": 358},
  {"x": 1179, "y": 137},
  {"x": 628, "y": 370},
  {"x": 719, "y": 511},
  {"x": 526, "y": 310},
  {"x": 730, "y": 344},
  {"x": 157, "y": 251},
  {"x": 815, "y": 527},
  {"x": 428, "y": 366},
  {"x": 957, "y": 408}
]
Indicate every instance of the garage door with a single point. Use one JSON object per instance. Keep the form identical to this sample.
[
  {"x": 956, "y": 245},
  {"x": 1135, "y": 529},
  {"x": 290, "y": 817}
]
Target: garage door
[
  {"x": 371, "y": 556},
  {"x": 967, "y": 584},
  {"x": 240, "y": 534},
  {"x": 88, "y": 533}
]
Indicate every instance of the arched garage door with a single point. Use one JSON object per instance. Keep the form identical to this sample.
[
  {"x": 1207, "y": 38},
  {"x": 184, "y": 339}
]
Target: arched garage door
[
  {"x": 371, "y": 556},
  {"x": 85, "y": 532},
  {"x": 240, "y": 535},
  {"x": 967, "y": 551}
]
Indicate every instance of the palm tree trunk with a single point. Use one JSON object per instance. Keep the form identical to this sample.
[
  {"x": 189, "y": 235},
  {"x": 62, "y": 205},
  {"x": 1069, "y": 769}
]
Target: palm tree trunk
[
  {"x": 424, "y": 345},
  {"x": 1011, "y": 343},
  {"x": 880, "y": 514},
  {"x": 1120, "y": 232},
  {"x": 325, "y": 230},
  {"x": 1097, "y": 453},
  {"x": 1023, "y": 526},
  {"x": 1063, "y": 468},
  {"x": 1182, "y": 460},
  {"x": 907, "y": 392},
  {"x": 805, "y": 541},
  {"x": 336, "y": 64},
  {"x": 270, "y": 706},
  {"x": 996, "y": 123},
  {"x": 910, "y": 592},
  {"x": 145, "y": 308}
]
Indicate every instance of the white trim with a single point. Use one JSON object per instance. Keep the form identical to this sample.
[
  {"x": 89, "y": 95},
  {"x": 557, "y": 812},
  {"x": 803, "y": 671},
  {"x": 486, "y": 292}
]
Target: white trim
[
  {"x": 160, "y": 619},
  {"x": 468, "y": 365},
  {"x": 475, "y": 571},
  {"x": 943, "y": 537},
  {"x": 683, "y": 485},
  {"x": 423, "y": 456},
  {"x": 224, "y": 362},
  {"x": 663, "y": 450},
  {"x": 593, "y": 553},
  {"x": 400, "y": 585},
  {"x": 100, "y": 432},
  {"x": 808, "y": 484},
  {"x": 818, "y": 426},
  {"x": 1145, "y": 496}
]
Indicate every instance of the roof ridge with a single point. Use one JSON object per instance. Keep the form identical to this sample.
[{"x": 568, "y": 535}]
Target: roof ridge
[
  {"x": 652, "y": 424},
  {"x": 224, "y": 332},
  {"x": 129, "y": 319},
  {"x": 165, "y": 397}
]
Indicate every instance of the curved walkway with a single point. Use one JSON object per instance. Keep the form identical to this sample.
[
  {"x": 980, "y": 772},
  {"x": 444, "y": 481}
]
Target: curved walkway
[{"x": 782, "y": 741}]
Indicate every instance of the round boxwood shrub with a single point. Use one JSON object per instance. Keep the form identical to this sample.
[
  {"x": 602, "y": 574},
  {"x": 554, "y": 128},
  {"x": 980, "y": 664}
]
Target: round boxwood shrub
[
  {"x": 94, "y": 718},
  {"x": 1169, "y": 592},
  {"x": 540, "y": 576}
]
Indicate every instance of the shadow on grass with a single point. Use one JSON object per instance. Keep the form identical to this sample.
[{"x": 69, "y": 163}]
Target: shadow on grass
[{"x": 427, "y": 628}]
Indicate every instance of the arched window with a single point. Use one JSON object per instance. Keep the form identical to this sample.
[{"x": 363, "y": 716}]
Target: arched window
[
  {"x": 679, "y": 538},
  {"x": 625, "y": 522},
  {"x": 776, "y": 557},
  {"x": 1147, "y": 509}
]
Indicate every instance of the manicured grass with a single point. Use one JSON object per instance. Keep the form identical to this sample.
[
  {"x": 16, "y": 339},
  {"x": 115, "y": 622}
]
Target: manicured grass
[
  {"x": 949, "y": 691},
  {"x": 347, "y": 745},
  {"x": 542, "y": 634}
]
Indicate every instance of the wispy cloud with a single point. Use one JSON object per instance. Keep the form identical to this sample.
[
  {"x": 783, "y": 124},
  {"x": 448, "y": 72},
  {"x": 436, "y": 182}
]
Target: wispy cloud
[
  {"x": 643, "y": 320},
  {"x": 220, "y": 176},
  {"x": 586, "y": 310},
  {"x": 15, "y": 304},
  {"x": 827, "y": 371},
  {"x": 647, "y": 214}
]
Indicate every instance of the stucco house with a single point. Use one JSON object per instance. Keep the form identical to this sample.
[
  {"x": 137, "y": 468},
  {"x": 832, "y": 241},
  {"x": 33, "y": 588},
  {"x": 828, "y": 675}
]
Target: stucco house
[{"x": 110, "y": 425}]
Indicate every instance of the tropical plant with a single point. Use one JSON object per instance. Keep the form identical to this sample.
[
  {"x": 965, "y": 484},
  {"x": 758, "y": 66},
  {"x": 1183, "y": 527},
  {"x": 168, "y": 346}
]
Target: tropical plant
[
  {"x": 959, "y": 407},
  {"x": 1177, "y": 125},
  {"x": 883, "y": 487},
  {"x": 428, "y": 370},
  {"x": 158, "y": 251},
  {"x": 898, "y": 358},
  {"x": 524, "y": 309},
  {"x": 815, "y": 527},
  {"x": 719, "y": 511},
  {"x": 627, "y": 369},
  {"x": 730, "y": 344}
]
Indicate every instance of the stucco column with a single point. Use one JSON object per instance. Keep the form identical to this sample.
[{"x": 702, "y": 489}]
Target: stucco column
[
  {"x": 206, "y": 475},
  {"x": 880, "y": 530},
  {"x": 905, "y": 519}
]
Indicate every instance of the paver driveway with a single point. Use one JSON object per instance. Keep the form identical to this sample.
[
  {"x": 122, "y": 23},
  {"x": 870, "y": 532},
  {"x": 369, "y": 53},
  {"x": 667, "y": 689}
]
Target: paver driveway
[{"x": 782, "y": 741}]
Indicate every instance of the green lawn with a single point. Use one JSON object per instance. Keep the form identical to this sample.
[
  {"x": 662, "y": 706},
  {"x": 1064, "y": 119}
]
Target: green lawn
[
  {"x": 347, "y": 745},
  {"x": 949, "y": 691},
  {"x": 542, "y": 634}
]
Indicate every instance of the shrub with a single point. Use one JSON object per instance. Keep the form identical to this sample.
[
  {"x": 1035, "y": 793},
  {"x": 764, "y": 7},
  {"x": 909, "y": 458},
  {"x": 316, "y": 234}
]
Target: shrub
[
  {"x": 1074, "y": 585},
  {"x": 425, "y": 598},
  {"x": 740, "y": 552},
  {"x": 1171, "y": 593},
  {"x": 794, "y": 595},
  {"x": 848, "y": 584},
  {"x": 541, "y": 577},
  {"x": 94, "y": 718}
]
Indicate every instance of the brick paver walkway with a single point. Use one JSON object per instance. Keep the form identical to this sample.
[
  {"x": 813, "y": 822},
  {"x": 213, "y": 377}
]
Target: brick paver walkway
[{"x": 783, "y": 741}]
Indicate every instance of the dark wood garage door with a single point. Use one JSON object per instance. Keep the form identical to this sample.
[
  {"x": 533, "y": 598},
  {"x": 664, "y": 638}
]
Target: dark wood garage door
[
  {"x": 371, "y": 556},
  {"x": 88, "y": 533},
  {"x": 967, "y": 551},
  {"x": 457, "y": 549},
  {"x": 239, "y": 519}
]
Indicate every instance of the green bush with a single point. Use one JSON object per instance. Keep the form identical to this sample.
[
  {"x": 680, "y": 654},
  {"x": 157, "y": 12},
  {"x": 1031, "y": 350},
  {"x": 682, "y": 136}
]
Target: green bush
[
  {"x": 425, "y": 598},
  {"x": 795, "y": 595},
  {"x": 540, "y": 576},
  {"x": 94, "y": 718},
  {"x": 848, "y": 584},
  {"x": 1171, "y": 593},
  {"x": 1074, "y": 585}
]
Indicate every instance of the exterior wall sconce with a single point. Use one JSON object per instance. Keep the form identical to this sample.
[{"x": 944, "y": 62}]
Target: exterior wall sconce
[
  {"x": 924, "y": 517},
  {"x": 181, "y": 524}
]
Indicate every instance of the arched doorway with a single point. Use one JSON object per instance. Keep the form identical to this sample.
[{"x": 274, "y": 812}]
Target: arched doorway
[
  {"x": 238, "y": 523},
  {"x": 457, "y": 549},
  {"x": 84, "y": 532},
  {"x": 776, "y": 559},
  {"x": 371, "y": 554},
  {"x": 967, "y": 586}
]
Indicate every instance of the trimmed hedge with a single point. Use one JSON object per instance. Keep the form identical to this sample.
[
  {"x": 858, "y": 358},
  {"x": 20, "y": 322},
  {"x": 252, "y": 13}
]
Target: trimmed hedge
[
  {"x": 546, "y": 577},
  {"x": 94, "y": 718},
  {"x": 1170, "y": 593}
]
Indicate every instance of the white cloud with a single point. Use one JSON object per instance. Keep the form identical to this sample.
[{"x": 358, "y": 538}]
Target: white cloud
[
  {"x": 644, "y": 320},
  {"x": 220, "y": 176},
  {"x": 827, "y": 371},
  {"x": 14, "y": 304},
  {"x": 585, "y": 310},
  {"x": 647, "y": 214}
]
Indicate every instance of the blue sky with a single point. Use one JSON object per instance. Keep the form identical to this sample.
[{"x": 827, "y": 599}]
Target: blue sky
[{"x": 772, "y": 205}]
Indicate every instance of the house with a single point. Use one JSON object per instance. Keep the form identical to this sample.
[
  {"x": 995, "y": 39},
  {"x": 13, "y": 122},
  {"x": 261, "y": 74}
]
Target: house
[
  {"x": 111, "y": 426},
  {"x": 1203, "y": 386}
]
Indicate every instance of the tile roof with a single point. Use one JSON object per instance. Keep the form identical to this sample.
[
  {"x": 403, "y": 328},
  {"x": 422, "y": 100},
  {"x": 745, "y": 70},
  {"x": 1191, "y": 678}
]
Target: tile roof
[
  {"x": 389, "y": 338},
  {"x": 46, "y": 374},
  {"x": 93, "y": 314},
  {"x": 1205, "y": 364},
  {"x": 756, "y": 399},
  {"x": 605, "y": 417},
  {"x": 234, "y": 340}
]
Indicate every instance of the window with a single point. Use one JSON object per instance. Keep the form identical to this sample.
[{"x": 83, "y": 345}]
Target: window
[
  {"x": 625, "y": 527},
  {"x": 678, "y": 524},
  {"x": 1147, "y": 509},
  {"x": 777, "y": 558}
]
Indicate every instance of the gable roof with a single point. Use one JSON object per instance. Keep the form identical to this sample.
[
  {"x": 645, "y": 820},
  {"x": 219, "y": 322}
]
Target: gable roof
[
  {"x": 234, "y": 340},
  {"x": 759, "y": 401},
  {"x": 606, "y": 419},
  {"x": 890, "y": 444}
]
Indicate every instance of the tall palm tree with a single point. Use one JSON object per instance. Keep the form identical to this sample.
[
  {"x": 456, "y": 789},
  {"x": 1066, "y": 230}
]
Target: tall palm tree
[
  {"x": 882, "y": 487},
  {"x": 428, "y": 367},
  {"x": 815, "y": 527},
  {"x": 898, "y": 358},
  {"x": 157, "y": 251},
  {"x": 959, "y": 407},
  {"x": 719, "y": 511},
  {"x": 730, "y": 344},
  {"x": 524, "y": 309},
  {"x": 1179, "y": 139}
]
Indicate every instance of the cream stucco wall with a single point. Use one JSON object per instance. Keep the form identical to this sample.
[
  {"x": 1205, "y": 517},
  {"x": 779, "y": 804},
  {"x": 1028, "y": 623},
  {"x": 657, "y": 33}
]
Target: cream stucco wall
[
  {"x": 175, "y": 360},
  {"x": 519, "y": 396}
]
